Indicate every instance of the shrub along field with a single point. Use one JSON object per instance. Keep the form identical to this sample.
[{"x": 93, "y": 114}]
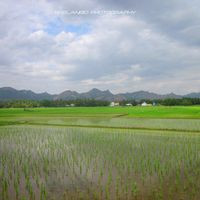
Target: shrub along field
[{"x": 100, "y": 153}]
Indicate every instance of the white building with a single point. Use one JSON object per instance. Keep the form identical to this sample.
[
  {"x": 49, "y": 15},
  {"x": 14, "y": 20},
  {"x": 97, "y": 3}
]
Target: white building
[
  {"x": 112, "y": 104},
  {"x": 129, "y": 104},
  {"x": 144, "y": 104}
]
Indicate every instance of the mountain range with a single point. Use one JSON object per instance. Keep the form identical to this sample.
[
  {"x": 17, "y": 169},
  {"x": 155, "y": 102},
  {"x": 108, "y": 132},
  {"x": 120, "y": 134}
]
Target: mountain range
[{"x": 8, "y": 93}]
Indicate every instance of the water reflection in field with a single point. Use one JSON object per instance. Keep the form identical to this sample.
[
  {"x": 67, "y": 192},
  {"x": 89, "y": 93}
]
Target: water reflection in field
[{"x": 179, "y": 124}]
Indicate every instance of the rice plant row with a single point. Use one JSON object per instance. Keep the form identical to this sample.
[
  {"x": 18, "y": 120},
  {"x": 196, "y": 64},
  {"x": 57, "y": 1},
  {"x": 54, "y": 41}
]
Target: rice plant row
[{"x": 40, "y": 163}]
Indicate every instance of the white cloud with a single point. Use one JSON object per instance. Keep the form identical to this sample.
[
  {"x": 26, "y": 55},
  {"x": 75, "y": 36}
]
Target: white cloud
[{"x": 121, "y": 53}]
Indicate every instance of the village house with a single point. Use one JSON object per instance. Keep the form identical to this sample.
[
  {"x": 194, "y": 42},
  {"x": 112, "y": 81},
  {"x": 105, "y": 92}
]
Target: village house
[
  {"x": 144, "y": 104},
  {"x": 112, "y": 104}
]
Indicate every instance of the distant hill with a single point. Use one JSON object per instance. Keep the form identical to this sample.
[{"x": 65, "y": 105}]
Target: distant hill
[
  {"x": 67, "y": 95},
  {"x": 98, "y": 95},
  {"x": 148, "y": 95},
  {"x": 92, "y": 94},
  {"x": 193, "y": 95},
  {"x": 108, "y": 96},
  {"x": 8, "y": 93}
]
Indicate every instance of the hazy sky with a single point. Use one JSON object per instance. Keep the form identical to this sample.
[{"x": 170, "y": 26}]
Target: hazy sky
[{"x": 46, "y": 46}]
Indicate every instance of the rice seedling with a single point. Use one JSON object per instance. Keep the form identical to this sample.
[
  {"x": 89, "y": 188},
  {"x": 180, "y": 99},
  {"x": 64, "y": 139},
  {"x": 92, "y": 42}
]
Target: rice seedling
[{"x": 40, "y": 163}]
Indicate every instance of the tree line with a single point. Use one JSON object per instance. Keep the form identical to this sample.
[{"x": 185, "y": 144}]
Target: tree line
[
  {"x": 95, "y": 103},
  {"x": 164, "y": 102},
  {"x": 176, "y": 102},
  {"x": 53, "y": 103}
]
